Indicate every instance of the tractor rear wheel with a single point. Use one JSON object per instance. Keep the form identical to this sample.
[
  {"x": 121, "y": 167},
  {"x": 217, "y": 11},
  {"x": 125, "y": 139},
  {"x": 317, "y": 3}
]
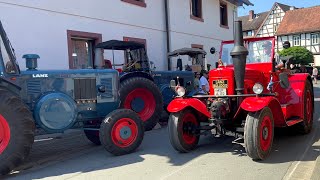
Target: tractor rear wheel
[
  {"x": 258, "y": 134},
  {"x": 121, "y": 132},
  {"x": 183, "y": 133},
  {"x": 144, "y": 97},
  {"x": 306, "y": 126},
  {"x": 16, "y": 131}
]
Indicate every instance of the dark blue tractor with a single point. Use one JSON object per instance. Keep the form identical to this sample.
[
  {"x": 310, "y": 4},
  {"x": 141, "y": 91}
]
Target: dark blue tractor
[
  {"x": 54, "y": 101},
  {"x": 149, "y": 89}
]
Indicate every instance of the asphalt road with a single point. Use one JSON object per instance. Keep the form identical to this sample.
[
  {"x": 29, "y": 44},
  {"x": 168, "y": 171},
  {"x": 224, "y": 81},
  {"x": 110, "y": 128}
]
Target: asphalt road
[{"x": 73, "y": 157}]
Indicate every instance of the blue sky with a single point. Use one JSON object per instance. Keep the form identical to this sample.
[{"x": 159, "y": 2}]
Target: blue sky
[{"x": 266, "y": 5}]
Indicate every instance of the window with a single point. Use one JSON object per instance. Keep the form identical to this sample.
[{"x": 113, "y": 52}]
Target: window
[
  {"x": 275, "y": 27},
  {"x": 249, "y": 33},
  {"x": 81, "y": 49},
  {"x": 196, "y": 10},
  {"x": 199, "y": 60},
  {"x": 223, "y": 15},
  {"x": 314, "y": 39},
  {"x": 296, "y": 40},
  {"x": 141, "y": 3},
  {"x": 138, "y": 55}
]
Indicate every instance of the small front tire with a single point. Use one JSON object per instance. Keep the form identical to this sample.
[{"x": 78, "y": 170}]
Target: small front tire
[
  {"x": 258, "y": 134},
  {"x": 121, "y": 132},
  {"x": 183, "y": 133}
]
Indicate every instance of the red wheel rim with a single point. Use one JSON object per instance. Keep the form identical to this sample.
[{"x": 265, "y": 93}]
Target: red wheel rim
[
  {"x": 148, "y": 99},
  {"x": 309, "y": 107},
  {"x": 265, "y": 133},
  {"x": 4, "y": 134},
  {"x": 189, "y": 122},
  {"x": 124, "y": 132}
]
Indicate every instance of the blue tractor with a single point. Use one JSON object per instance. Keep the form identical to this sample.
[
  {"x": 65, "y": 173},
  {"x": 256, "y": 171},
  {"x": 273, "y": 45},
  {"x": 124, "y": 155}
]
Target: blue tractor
[
  {"x": 153, "y": 93},
  {"x": 54, "y": 101}
]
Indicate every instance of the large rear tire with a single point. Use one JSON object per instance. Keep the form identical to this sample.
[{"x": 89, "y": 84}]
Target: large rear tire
[
  {"x": 258, "y": 134},
  {"x": 182, "y": 130},
  {"x": 144, "y": 97},
  {"x": 16, "y": 131},
  {"x": 121, "y": 132},
  {"x": 308, "y": 104}
]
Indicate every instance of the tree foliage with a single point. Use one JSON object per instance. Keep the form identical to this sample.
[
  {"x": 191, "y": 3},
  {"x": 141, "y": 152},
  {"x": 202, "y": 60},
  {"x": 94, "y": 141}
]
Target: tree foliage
[{"x": 300, "y": 55}]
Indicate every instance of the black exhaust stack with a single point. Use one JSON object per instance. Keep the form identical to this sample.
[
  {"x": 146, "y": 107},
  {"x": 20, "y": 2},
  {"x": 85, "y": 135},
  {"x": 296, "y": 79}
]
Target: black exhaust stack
[{"x": 239, "y": 54}]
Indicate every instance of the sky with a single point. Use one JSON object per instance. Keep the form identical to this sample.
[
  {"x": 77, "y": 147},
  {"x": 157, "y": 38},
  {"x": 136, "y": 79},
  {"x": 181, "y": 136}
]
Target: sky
[{"x": 266, "y": 5}]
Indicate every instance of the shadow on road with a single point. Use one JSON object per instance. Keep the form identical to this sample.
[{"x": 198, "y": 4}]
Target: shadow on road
[{"x": 65, "y": 152}]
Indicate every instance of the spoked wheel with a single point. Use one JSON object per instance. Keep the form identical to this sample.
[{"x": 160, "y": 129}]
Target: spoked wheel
[
  {"x": 121, "y": 132},
  {"x": 16, "y": 131},
  {"x": 258, "y": 134},
  {"x": 183, "y": 133},
  {"x": 92, "y": 135},
  {"x": 306, "y": 126},
  {"x": 142, "y": 96}
]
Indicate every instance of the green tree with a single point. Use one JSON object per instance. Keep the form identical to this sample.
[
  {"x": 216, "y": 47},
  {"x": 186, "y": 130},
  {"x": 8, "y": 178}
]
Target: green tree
[{"x": 300, "y": 55}]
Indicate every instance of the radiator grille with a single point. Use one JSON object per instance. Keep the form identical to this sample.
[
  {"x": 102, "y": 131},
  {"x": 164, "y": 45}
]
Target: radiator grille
[
  {"x": 85, "y": 89},
  {"x": 33, "y": 87}
]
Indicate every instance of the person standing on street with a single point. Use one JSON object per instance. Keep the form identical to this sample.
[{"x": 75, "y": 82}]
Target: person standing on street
[
  {"x": 204, "y": 84},
  {"x": 315, "y": 74}
]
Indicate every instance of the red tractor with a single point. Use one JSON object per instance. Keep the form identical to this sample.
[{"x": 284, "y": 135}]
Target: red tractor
[{"x": 250, "y": 93}]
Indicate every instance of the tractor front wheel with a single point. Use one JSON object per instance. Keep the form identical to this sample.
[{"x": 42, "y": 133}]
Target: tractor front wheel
[
  {"x": 16, "y": 131},
  {"x": 121, "y": 132},
  {"x": 258, "y": 134},
  {"x": 183, "y": 133}
]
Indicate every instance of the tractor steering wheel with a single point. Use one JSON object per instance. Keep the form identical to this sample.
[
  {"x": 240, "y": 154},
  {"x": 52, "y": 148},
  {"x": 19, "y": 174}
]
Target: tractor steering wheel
[{"x": 129, "y": 66}]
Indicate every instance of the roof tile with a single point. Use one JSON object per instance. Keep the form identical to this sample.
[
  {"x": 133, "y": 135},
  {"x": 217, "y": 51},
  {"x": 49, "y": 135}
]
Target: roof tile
[{"x": 300, "y": 21}]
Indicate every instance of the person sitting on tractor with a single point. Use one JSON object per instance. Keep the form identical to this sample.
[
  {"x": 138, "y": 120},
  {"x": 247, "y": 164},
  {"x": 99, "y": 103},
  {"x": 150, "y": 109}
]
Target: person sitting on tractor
[
  {"x": 266, "y": 51},
  {"x": 204, "y": 84},
  {"x": 197, "y": 81}
]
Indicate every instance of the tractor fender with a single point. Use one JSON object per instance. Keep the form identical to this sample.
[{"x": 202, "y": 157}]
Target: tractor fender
[
  {"x": 179, "y": 104},
  {"x": 126, "y": 76},
  {"x": 254, "y": 104},
  {"x": 298, "y": 83}
]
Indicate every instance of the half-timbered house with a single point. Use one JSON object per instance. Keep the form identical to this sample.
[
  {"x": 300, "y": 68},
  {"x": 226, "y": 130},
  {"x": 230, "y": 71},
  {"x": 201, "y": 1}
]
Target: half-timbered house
[{"x": 301, "y": 27}]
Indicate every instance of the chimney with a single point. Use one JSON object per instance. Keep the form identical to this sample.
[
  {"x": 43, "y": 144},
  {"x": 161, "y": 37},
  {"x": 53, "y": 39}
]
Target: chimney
[
  {"x": 292, "y": 8},
  {"x": 251, "y": 15}
]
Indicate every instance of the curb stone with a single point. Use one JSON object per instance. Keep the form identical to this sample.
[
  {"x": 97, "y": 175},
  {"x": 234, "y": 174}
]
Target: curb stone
[{"x": 316, "y": 171}]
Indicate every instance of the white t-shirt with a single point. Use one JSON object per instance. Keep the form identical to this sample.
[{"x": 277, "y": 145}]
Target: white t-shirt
[
  {"x": 314, "y": 71},
  {"x": 203, "y": 82}
]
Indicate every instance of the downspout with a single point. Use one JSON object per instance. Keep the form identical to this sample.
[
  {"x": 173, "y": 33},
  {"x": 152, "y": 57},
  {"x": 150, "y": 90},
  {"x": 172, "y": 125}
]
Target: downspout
[{"x": 166, "y": 8}]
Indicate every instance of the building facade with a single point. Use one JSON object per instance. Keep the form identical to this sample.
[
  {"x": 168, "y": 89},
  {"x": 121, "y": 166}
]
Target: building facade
[
  {"x": 301, "y": 27},
  {"x": 271, "y": 23},
  {"x": 64, "y": 33}
]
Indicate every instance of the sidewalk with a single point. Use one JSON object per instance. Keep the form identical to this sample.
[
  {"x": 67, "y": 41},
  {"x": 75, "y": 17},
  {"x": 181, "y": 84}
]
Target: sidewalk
[{"x": 316, "y": 170}]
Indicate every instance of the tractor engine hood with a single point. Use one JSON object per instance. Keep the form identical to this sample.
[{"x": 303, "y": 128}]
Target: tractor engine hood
[{"x": 226, "y": 77}]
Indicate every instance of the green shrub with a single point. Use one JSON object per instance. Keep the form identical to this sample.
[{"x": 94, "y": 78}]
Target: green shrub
[{"x": 300, "y": 55}]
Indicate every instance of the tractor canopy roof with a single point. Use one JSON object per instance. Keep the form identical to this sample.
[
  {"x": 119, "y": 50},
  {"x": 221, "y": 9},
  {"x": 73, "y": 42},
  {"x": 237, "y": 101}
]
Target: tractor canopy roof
[
  {"x": 120, "y": 45},
  {"x": 192, "y": 52}
]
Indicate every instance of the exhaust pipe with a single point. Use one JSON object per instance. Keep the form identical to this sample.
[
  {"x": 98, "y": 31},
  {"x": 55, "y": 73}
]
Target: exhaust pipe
[{"x": 239, "y": 54}]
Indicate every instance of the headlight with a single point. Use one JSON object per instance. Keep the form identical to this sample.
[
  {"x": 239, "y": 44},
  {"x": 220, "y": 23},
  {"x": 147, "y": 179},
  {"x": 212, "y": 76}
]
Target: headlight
[
  {"x": 180, "y": 91},
  {"x": 257, "y": 88}
]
